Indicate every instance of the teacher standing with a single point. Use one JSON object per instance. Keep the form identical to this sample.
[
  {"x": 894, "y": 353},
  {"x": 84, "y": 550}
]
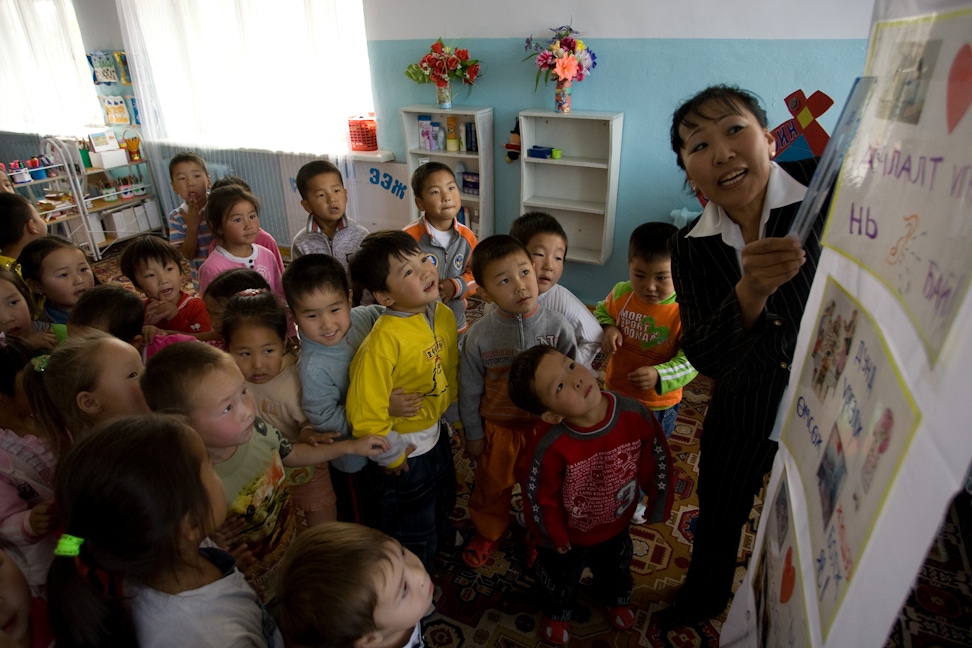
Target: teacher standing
[{"x": 742, "y": 287}]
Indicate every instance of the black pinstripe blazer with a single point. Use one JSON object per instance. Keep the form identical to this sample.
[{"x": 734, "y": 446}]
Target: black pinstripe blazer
[{"x": 750, "y": 368}]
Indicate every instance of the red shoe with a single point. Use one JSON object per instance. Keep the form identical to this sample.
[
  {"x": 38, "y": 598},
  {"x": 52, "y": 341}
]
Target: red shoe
[
  {"x": 555, "y": 632},
  {"x": 621, "y": 618}
]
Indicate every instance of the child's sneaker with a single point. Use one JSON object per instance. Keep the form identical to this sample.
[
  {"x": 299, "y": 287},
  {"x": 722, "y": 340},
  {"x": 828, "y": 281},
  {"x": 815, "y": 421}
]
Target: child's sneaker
[{"x": 639, "y": 514}]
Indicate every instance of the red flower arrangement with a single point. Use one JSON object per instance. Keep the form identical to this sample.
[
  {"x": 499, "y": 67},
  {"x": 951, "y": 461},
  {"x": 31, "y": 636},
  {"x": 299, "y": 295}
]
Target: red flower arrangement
[{"x": 444, "y": 64}]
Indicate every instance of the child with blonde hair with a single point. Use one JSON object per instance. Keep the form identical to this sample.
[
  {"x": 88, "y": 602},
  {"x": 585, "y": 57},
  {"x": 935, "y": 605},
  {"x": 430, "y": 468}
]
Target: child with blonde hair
[
  {"x": 375, "y": 591},
  {"x": 137, "y": 497}
]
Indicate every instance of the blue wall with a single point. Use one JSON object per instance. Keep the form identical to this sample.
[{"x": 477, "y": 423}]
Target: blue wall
[{"x": 644, "y": 78}]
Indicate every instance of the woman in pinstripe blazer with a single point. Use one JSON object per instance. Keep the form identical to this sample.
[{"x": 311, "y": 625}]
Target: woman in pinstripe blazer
[{"x": 742, "y": 287}]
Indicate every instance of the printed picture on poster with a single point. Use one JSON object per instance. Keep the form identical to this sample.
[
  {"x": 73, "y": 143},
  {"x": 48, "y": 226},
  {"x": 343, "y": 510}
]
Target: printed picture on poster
[
  {"x": 777, "y": 587},
  {"x": 848, "y": 430},
  {"x": 902, "y": 204}
]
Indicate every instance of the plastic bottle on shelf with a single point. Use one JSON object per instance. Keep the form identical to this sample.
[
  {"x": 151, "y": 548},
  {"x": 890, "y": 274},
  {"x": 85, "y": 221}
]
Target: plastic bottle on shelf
[
  {"x": 440, "y": 139},
  {"x": 452, "y": 139},
  {"x": 424, "y": 125},
  {"x": 434, "y": 137}
]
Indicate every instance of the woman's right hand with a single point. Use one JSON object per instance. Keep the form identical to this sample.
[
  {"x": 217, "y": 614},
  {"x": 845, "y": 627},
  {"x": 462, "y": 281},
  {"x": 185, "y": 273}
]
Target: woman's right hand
[{"x": 767, "y": 264}]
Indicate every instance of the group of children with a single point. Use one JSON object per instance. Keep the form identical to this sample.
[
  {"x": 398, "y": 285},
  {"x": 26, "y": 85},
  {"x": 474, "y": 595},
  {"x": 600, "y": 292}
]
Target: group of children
[{"x": 234, "y": 428}]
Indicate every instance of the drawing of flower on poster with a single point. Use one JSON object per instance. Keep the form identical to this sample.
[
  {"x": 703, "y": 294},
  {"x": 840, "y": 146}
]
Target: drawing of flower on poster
[
  {"x": 777, "y": 587},
  {"x": 904, "y": 197},
  {"x": 848, "y": 430}
]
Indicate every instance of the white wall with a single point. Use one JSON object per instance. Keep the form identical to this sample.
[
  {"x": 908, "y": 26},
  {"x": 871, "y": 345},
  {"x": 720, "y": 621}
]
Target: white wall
[{"x": 749, "y": 19}]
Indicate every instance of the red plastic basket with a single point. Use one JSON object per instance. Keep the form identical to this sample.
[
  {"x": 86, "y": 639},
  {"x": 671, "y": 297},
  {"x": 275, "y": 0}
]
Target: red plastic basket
[{"x": 364, "y": 134}]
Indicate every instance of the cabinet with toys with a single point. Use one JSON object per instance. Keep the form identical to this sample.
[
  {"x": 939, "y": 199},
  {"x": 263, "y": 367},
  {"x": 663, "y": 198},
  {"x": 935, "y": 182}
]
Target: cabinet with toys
[{"x": 93, "y": 192}]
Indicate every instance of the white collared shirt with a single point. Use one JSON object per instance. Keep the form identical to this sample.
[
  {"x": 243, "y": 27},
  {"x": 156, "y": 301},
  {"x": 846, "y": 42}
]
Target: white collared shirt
[{"x": 781, "y": 190}]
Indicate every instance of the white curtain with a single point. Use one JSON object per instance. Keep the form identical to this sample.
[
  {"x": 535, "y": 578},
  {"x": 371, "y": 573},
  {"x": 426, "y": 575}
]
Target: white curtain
[
  {"x": 47, "y": 84},
  {"x": 278, "y": 75}
]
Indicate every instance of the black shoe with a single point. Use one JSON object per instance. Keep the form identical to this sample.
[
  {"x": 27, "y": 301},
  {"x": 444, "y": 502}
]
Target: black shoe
[{"x": 680, "y": 615}]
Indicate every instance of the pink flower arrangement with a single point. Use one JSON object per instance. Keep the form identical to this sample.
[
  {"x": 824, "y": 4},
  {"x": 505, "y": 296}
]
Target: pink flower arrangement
[
  {"x": 564, "y": 57},
  {"x": 444, "y": 64}
]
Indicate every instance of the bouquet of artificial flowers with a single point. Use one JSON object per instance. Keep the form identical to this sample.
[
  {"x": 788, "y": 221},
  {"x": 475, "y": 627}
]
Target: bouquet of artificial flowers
[
  {"x": 444, "y": 64},
  {"x": 564, "y": 56}
]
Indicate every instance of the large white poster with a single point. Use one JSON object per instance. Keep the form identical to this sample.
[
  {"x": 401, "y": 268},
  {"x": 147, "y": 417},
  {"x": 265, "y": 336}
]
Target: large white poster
[
  {"x": 875, "y": 437},
  {"x": 851, "y": 422},
  {"x": 903, "y": 206}
]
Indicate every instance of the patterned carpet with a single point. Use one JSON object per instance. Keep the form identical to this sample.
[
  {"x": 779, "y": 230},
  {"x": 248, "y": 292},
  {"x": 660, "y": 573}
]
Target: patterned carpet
[{"x": 495, "y": 605}]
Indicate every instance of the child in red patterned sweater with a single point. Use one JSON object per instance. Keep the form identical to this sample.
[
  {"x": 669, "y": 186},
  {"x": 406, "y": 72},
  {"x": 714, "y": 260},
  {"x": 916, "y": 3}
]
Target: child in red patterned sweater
[{"x": 582, "y": 481}]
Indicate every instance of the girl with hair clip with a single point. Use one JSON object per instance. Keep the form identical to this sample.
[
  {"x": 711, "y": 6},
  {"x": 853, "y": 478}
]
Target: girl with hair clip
[
  {"x": 58, "y": 270},
  {"x": 18, "y": 313},
  {"x": 255, "y": 333},
  {"x": 133, "y": 567},
  {"x": 91, "y": 378},
  {"x": 26, "y": 467},
  {"x": 233, "y": 214}
]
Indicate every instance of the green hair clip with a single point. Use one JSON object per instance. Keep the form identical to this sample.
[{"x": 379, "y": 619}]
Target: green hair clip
[
  {"x": 40, "y": 362},
  {"x": 68, "y": 545}
]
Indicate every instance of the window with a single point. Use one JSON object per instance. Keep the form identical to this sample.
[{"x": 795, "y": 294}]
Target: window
[
  {"x": 275, "y": 75},
  {"x": 47, "y": 86}
]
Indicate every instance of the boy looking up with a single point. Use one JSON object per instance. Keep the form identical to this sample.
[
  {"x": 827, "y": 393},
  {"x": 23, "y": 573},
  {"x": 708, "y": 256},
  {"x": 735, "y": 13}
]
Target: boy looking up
[
  {"x": 412, "y": 346},
  {"x": 155, "y": 267},
  {"x": 586, "y": 466},
  {"x": 440, "y": 234},
  {"x": 494, "y": 428},
  {"x": 330, "y": 332},
  {"x": 546, "y": 241},
  {"x": 329, "y": 229},
  {"x": 643, "y": 330},
  {"x": 19, "y": 225},
  {"x": 188, "y": 230}
]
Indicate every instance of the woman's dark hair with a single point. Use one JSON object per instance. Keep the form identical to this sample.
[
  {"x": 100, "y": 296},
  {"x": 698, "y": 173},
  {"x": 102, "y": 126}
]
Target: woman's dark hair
[
  {"x": 729, "y": 98},
  {"x": 127, "y": 488},
  {"x": 222, "y": 200},
  {"x": 14, "y": 356},
  {"x": 254, "y": 307}
]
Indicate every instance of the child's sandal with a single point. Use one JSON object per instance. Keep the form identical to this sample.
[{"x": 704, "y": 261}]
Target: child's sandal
[
  {"x": 621, "y": 617},
  {"x": 555, "y": 632},
  {"x": 478, "y": 551}
]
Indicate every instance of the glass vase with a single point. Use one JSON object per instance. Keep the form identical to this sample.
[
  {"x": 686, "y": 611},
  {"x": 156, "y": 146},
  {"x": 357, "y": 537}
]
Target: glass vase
[
  {"x": 562, "y": 95},
  {"x": 443, "y": 96}
]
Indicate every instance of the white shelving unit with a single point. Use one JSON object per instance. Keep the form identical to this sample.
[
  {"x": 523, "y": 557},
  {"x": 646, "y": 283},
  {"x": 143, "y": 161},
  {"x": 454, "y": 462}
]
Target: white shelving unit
[
  {"x": 94, "y": 222},
  {"x": 479, "y": 161},
  {"x": 581, "y": 188},
  {"x": 66, "y": 218}
]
